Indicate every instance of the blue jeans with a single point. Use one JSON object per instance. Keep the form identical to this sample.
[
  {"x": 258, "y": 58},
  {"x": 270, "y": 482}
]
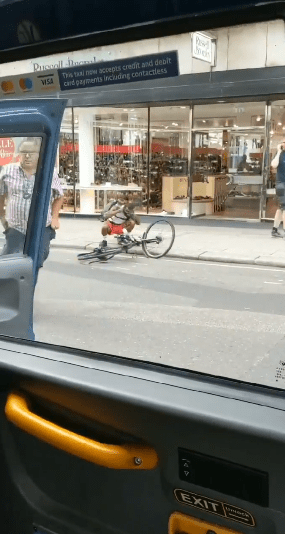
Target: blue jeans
[
  {"x": 280, "y": 193},
  {"x": 15, "y": 241}
]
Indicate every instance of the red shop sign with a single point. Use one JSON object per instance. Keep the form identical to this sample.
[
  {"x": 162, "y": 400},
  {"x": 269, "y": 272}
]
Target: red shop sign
[
  {"x": 103, "y": 149},
  {"x": 121, "y": 149},
  {"x": 7, "y": 150}
]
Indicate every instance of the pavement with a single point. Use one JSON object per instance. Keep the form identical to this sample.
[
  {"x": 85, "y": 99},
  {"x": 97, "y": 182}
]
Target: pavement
[{"x": 206, "y": 240}]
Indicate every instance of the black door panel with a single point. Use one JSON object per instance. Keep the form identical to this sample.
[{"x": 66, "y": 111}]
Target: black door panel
[{"x": 65, "y": 494}]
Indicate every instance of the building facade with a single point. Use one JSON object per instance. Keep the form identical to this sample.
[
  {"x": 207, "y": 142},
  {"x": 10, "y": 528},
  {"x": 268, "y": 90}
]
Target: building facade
[{"x": 184, "y": 125}]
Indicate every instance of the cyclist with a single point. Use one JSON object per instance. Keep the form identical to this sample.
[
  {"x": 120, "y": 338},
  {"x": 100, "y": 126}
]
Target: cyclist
[{"x": 118, "y": 216}]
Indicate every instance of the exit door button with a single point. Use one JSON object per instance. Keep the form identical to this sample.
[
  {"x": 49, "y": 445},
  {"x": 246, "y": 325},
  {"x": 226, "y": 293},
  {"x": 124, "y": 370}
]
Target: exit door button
[{"x": 179, "y": 523}]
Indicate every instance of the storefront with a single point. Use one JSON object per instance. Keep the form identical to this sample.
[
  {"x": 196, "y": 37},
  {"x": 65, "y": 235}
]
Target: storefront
[
  {"x": 188, "y": 130},
  {"x": 204, "y": 160}
]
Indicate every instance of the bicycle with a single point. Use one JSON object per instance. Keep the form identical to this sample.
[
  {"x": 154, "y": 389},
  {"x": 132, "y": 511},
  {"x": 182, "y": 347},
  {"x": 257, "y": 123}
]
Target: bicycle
[{"x": 156, "y": 242}]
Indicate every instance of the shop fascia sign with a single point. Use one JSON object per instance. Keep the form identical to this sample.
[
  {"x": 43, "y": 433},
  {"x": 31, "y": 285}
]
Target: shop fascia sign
[
  {"x": 204, "y": 47},
  {"x": 60, "y": 63},
  {"x": 55, "y": 62}
]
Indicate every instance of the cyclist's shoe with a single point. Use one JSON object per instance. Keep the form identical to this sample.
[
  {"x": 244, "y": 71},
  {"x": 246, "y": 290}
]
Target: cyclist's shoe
[
  {"x": 103, "y": 244},
  {"x": 275, "y": 233},
  {"x": 124, "y": 240}
]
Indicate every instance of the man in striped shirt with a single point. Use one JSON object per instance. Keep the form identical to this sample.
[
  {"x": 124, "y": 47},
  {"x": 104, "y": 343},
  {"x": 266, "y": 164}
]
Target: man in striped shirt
[{"x": 16, "y": 190}]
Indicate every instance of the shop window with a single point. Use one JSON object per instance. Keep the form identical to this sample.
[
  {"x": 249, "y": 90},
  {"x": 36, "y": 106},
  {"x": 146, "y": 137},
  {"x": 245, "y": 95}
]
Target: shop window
[
  {"x": 68, "y": 159},
  {"x": 112, "y": 158},
  {"x": 277, "y": 135},
  {"x": 227, "y": 159},
  {"x": 168, "y": 173}
]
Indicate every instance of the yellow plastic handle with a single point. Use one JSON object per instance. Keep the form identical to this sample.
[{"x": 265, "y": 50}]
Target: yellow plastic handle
[
  {"x": 180, "y": 523},
  {"x": 128, "y": 456}
]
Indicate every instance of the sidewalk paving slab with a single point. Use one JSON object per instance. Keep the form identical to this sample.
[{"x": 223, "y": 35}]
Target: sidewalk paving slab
[
  {"x": 229, "y": 243},
  {"x": 227, "y": 257}
]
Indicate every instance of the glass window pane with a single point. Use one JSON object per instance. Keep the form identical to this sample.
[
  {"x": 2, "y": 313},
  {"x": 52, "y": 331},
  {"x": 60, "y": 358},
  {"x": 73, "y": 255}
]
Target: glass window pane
[
  {"x": 169, "y": 144},
  {"x": 68, "y": 159},
  {"x": 19, "y": 158},
  {"x": 228, "y": 151},
  {"x": 208, "y": 317},
  {"x": 112, "y": 157},
  {"x": 277, "y": 136}
]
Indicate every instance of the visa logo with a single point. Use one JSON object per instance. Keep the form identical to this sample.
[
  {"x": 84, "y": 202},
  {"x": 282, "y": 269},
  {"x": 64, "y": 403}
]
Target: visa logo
[{"x": 47, "y": 81}]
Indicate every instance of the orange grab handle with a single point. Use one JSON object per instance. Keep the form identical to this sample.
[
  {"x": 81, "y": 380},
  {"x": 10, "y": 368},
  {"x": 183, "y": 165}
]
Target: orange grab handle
[
  {"x": 128, "y": 456},
  {"x": 180, "y": 523}
]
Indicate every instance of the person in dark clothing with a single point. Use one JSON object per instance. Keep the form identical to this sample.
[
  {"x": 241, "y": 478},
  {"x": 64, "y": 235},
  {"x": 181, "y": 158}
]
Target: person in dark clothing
[
  {"x": 243, "y": 165},
  {"x": 278, "y": 163}
]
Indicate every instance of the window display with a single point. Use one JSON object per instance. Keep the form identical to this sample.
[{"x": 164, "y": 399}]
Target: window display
[
  {"x": 169, "y": 146},
  {"x": 276, "y": 135},
  {"x": 228, "y": 159},
  {"x": 120, "y": 156},
  {"x": 144, "y": 155},
  {"x": 68, "y": 160}
]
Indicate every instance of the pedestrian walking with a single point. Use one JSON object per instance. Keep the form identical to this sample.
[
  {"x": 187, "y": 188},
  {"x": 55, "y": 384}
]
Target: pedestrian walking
[{"x": 278, "y": 163}]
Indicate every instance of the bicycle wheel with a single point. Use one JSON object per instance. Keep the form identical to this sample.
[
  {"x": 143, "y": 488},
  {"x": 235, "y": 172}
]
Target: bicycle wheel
[
  {"x": 102, "y": 256},
  {"x": 95, "y": 256},
  {"x": 84, "y": 256},
  {"x": 158, "y": 239}
]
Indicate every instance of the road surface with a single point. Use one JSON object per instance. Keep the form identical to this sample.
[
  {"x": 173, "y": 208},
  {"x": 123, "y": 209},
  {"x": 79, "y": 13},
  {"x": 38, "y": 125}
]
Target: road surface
[{"x": 222, "y": 319}]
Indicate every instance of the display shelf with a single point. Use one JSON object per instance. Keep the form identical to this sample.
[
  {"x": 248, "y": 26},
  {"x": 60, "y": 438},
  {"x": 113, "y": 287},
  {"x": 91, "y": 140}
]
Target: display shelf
[
  {"x": 105, "y": 189},
  {"x": 174, "y": 186},
  {"x": 204, "y": 206}
]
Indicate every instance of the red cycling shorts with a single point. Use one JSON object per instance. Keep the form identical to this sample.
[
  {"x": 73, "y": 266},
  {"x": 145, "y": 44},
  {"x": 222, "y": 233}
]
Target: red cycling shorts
[{"x": 116, "y": 228}]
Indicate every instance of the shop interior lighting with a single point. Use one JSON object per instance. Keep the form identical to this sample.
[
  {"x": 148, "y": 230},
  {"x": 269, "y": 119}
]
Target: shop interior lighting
[
  {"x": 258, "y": 118},
  {"x": 174, "y": 124},
  {"x": 279, "y": 123}
]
